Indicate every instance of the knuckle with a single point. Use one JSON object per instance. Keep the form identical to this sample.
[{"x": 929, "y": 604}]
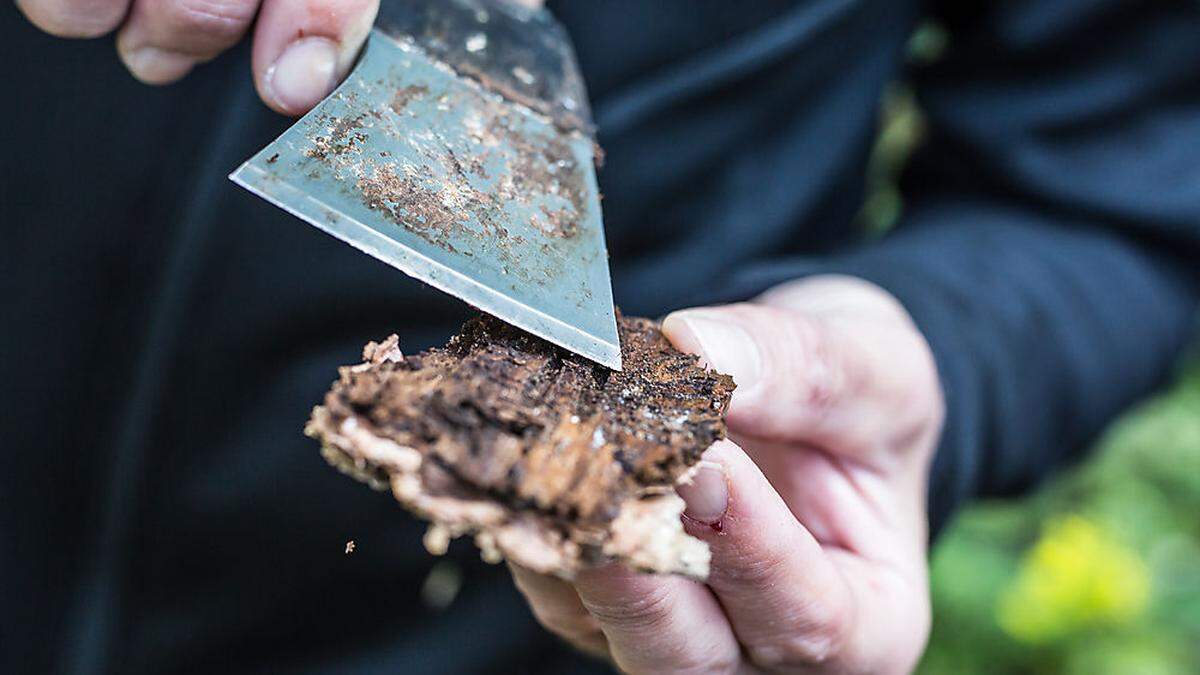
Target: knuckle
[
  {"x": 334, "y": 17},
  {"x": 574, "y": 633},
  {"x": 822, "y": 376},
  {"x": 649, "y": 611},
  {"x": 792, "y": 653},
  {"x": 818, "y": 643},
  {"x": 933, "y": 401},
  {"x": 211, "y": 18},
  {"x": 755, "y": 571},
  {"x": 332, "y": 8},
  {"x": 64, "y": 19},
  {"x": 691, "y": 662},
  {"x": 920, "y": 405},
  {"x": 570, "y": 626},
  {"x": 921, "y": 373},
  {"x": 716, "y": 664},
  {"x": 810, "y": 633},
  {"x": 831, "y": 378},
  {"x": 922, "y": 625}
]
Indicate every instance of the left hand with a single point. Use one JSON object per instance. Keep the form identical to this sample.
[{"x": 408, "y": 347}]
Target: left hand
[
  {"x": 816, "y": 522},
  {"x": 302, "y": 48}
]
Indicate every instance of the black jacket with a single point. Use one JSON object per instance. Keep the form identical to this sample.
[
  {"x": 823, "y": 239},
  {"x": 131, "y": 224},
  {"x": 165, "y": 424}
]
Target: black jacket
[{"x": 165, "y": 333}]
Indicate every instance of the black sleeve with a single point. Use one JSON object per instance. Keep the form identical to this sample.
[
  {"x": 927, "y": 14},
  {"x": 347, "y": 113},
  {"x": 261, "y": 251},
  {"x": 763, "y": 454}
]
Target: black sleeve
[{"x": 1050, "y": 248}]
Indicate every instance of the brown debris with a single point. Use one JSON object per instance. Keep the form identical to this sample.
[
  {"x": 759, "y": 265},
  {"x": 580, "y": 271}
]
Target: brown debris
[
  {"x": 419, "y": 211},
  {"x": 436, "y": 197},
  {"x": 547, "y": 459},
  {"x": 545, "y": 164},
  {"x": 406, "y": 95},
  {"x": 344, "y": 137}
]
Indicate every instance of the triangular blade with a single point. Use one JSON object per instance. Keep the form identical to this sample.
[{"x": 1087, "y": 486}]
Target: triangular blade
[{"x": 456, "y": 186}]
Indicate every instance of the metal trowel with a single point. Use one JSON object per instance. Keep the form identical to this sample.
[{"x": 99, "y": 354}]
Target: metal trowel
[{"x": 460, "y": 150}]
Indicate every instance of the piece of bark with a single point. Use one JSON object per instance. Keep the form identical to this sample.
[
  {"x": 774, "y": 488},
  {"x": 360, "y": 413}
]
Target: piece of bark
[{"x": 547, "y": 459}]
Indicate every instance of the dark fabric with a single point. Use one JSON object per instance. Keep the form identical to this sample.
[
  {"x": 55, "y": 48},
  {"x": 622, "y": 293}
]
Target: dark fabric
[{"x": 165, "y": 333}]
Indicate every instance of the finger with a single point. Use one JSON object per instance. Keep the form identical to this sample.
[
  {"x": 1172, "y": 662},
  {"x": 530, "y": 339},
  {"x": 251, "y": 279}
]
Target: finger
[
  {"x": 835, "y": 294},
  {"x": 74, "y": 18},
  {"x": 162, "y": 40},
  {"x": 556, "y": 606},
  {"x": 302, "y": 50},
  {"x": 658, "y": 624},
  {"x": 786, "y": 601},
  {"x": 879, "y": 328},
  {"x": 846, "y": 505},
  {"x": 822, "y": 380}
]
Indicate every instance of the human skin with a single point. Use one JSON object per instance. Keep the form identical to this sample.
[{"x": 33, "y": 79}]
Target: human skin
[
  {"x": 302, "y": 48},
  {"x": 814, "y": 510}
]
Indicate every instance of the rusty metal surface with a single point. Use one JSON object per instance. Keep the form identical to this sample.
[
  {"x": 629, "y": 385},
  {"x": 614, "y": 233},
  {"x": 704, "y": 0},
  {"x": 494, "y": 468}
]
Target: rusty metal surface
[{"x": 456, "y": 185}]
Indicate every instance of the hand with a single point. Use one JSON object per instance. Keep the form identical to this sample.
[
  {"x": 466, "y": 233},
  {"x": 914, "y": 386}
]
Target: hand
[
  {"x": 816, "y": 522},
  {"x": 302, "y": 48}
]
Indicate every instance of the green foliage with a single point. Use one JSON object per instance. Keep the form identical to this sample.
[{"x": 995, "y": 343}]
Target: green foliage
[{"x": 1098, "y": 572}]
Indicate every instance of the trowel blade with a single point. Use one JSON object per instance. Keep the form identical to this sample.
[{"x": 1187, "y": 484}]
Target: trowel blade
[{"x": 457, "y": 186}]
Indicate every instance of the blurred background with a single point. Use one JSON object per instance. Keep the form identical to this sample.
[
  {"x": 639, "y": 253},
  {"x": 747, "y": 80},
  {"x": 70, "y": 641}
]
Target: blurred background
[{"x": 1098, "y": 571}]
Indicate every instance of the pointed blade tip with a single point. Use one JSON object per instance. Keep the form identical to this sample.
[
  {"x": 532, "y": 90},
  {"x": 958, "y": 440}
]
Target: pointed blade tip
[
  {"x": 598, "y": 350},
  {"x": 611, "y": 358}
]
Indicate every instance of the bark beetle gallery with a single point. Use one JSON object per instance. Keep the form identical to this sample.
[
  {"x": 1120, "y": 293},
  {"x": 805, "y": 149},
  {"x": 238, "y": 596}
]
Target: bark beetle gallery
[{"x": 545, "y": 458}]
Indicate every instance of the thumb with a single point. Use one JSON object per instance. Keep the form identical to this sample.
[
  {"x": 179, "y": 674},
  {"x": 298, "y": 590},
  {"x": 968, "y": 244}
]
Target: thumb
[
  {"x": 806, "y": 378},
  {"x": 302, "y": 50}
]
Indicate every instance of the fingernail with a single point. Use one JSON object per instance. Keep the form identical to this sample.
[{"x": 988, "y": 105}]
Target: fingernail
[
  {"x": 725, "y": 346},
  {"x": 304, "y": 74},
  {"x": 707, "y": 495},
  {"x": 157, "y": 66}
]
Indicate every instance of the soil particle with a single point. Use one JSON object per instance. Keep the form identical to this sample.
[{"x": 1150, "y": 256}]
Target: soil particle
[
  {"x": 496, "y": 159},
  {"x": 406, "y": 202},
  {"x": 406, "y": 95},
  {"x": 540, "y": 165},
  {"x": 344, "y": 137}
]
